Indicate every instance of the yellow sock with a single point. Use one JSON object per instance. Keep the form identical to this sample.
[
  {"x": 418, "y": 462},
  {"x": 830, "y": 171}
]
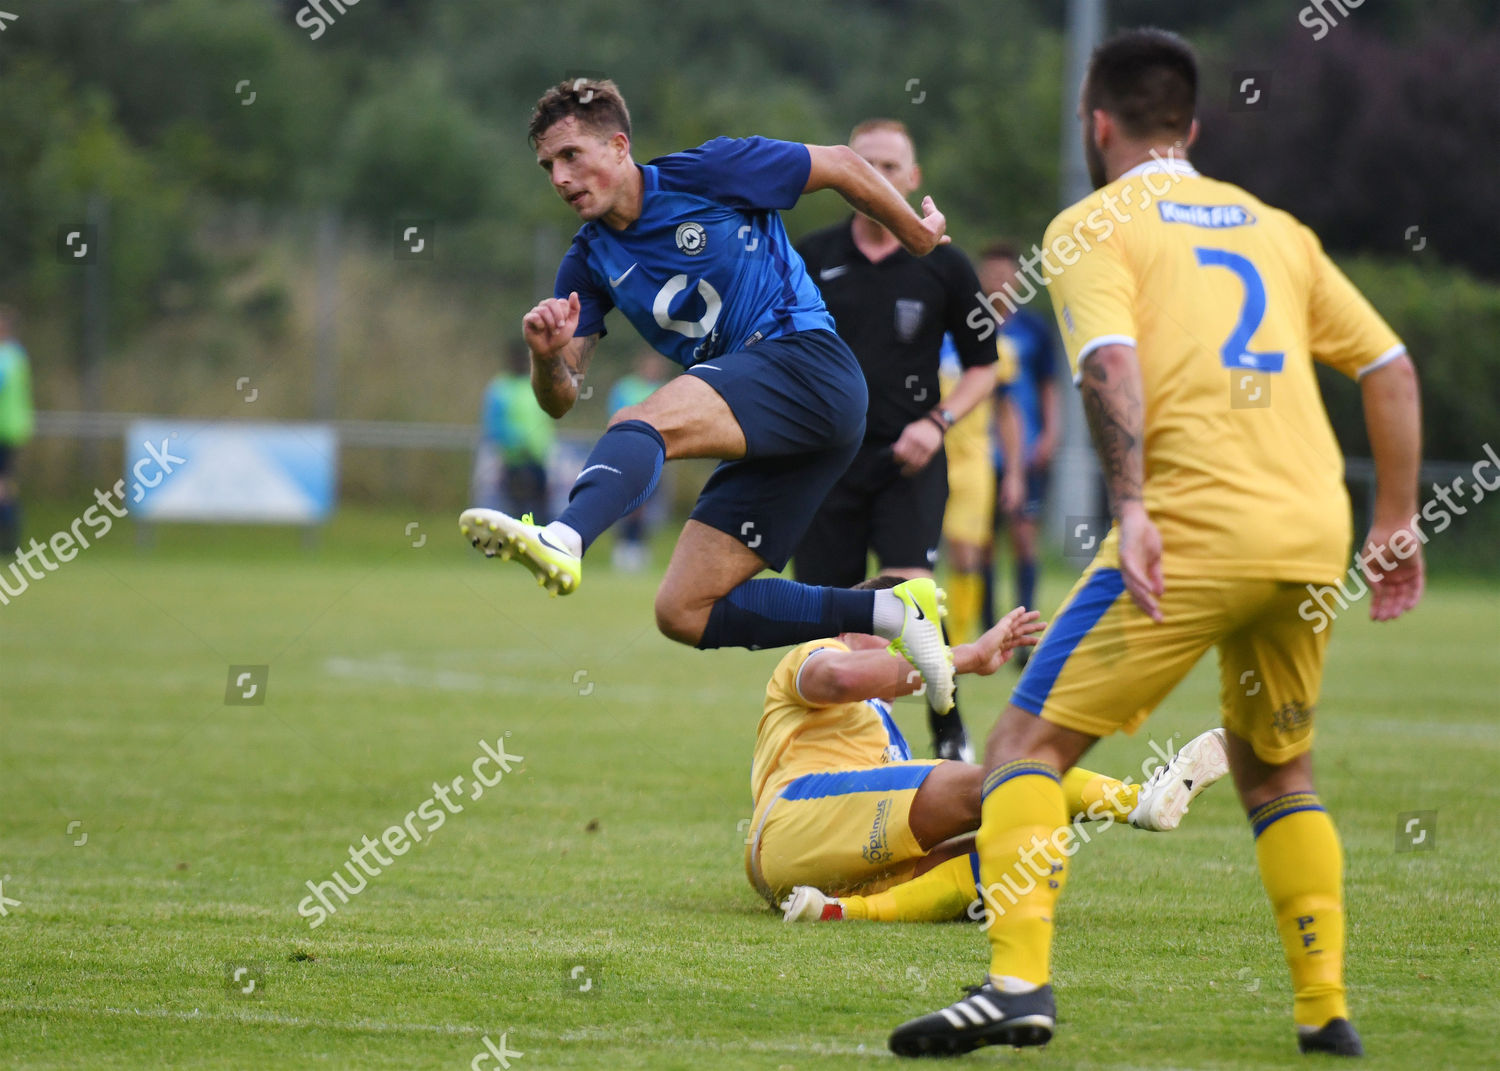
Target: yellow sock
[
  {"x": 1094, "y": 795},
  {"x": 942, "y": 894},
  {"x": 1302, "y": 867},
  {"x": 965, "y": 599},
  {"x": 1021, "y": 874}
]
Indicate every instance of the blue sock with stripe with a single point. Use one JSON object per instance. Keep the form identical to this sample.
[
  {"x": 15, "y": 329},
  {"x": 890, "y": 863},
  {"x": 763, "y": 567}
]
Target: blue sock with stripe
[
  {"x": 620, "y": 474},
  {"x": 772, "y": 612}
]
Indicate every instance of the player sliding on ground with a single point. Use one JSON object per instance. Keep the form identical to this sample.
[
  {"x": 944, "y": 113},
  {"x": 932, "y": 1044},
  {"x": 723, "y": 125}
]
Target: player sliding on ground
[
  {"x": 690, "y": 247},
  {"x": 848, "y": 826},
  {"x": 1193, "y": 314}
]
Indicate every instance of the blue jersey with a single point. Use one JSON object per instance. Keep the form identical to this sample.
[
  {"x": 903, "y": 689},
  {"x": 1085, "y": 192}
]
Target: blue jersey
[
  {"x": 1032, "y": 338},
  {"x": 707, "y": 269}
]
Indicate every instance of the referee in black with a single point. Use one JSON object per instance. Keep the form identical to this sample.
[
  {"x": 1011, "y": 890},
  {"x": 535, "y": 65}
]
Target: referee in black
[{"x": 893, "y": 310}]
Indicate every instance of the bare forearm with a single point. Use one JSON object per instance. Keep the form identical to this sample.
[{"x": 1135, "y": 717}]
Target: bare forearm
[
  {"x": 1051, "y": 412},
  {"x": 971, "y": 389},
  {"x": 854, "y": 676},
  {"x": 1008, "y": 430},
  {"x": 840, "y": 168},
  {"x": 1393, "y": 417},
  {"x": 1112, "y": 401},
  {"x": 555, "y": 377}
]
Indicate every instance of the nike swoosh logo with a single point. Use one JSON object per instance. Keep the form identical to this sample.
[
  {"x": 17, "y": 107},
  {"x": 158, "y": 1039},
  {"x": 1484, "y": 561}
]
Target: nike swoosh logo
[
  {"x": 833, "y": 273},
  {"x": 918, "y": 608},
  {"x": 548, "y": 543},
  {"x": 621, "y": 279}
]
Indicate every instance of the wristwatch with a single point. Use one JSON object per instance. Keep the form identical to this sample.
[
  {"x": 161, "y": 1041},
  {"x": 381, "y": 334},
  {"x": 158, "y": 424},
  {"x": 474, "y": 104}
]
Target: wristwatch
[{"x": 943, "y": 418}]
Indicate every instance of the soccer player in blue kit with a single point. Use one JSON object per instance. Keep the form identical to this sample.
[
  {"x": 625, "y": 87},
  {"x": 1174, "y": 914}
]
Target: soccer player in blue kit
[{"x": 691, "y": 249}]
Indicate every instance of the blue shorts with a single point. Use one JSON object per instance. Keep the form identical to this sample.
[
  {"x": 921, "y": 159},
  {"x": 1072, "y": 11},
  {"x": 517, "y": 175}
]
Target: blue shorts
[{"x": 800, "y": 400}]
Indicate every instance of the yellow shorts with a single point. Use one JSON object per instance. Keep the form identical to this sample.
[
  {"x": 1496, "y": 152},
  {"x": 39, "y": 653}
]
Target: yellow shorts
[
  {"x": 970, "y": 516},
  {"x": 1104, "y": 666},
  {"x": 840, "y": 831}
]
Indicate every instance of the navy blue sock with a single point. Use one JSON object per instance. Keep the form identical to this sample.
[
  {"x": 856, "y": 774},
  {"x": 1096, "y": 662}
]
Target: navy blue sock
[
  {"x": 10, "y": 525},
  {"x": 987, "y": 601},
  {"x": 620, "y": 474},
  {"x": 1026, "y": 584},
  {"x": 779, "y": 613}
]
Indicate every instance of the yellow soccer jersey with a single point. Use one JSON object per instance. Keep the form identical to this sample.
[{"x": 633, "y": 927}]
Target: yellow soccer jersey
[
  {"x": 971, "y": 435},
  {"x": 795, "y": 737},
  {"x": 1228, "y": 303}
]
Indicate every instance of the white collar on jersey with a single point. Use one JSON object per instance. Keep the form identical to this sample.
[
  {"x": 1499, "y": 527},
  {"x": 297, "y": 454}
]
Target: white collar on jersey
[{"x": 1172, "y": 165}]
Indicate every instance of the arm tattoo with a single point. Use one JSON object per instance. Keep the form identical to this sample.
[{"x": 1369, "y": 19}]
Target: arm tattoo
[
  {"x": 557, "y": 378},
  {"x": 1116, "y": 416}
]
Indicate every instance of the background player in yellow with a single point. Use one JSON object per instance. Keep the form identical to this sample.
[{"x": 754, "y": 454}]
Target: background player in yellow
[
  {"x": 969, "y": 516},
  {"x": 1192, "y": 314},
  {"x": 842, "y": 810}
]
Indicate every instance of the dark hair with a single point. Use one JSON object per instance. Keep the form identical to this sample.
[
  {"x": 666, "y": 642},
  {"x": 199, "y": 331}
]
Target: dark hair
[
  {"x": 595, "y": 102},
  {"x": 880, "y": 583},
  {"x": 1147, "y": 80},
  {"x": 1001, "y": 249}
]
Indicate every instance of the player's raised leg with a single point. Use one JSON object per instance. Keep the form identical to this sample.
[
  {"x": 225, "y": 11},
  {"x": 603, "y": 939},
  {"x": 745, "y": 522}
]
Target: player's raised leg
[
  {"x": 685, "y": 418},
  {"x": 708, "y": 599}
]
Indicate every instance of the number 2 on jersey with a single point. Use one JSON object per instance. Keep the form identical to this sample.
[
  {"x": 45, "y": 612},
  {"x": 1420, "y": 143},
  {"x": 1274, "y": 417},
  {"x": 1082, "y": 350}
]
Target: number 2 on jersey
[{"x": 1236, "y": 351}]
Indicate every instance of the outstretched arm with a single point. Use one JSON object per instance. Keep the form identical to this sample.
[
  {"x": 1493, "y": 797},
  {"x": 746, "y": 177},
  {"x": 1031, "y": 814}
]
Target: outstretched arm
[
  {"x": 874, "y": 673},
  {"x": 1008, "y": 431},
  {"x": 838, "y": 167}
]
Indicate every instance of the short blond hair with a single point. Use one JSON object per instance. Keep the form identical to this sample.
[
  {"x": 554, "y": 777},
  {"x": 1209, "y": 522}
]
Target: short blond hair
[{"x": 870, "y": 126}]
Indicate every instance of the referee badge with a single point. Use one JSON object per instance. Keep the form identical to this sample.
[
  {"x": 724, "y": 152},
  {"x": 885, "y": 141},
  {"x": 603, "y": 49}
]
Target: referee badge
[{"x": 908, "y": 318}]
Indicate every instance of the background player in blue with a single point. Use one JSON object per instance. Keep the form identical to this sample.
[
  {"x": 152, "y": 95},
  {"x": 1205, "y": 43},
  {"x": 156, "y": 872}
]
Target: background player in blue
[
  {"x": 1034, "y": 395},
  {"x": 690, "y": 248}
]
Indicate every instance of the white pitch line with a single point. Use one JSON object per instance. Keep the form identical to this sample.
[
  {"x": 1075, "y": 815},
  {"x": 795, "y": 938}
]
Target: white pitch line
[
  {"x": 378, "y": 1027},
  {"x": 373, "y": 1026}
]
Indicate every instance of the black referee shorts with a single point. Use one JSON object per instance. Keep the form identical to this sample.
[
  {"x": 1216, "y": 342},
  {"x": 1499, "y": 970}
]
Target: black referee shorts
[{"x": 875, "y": 508}]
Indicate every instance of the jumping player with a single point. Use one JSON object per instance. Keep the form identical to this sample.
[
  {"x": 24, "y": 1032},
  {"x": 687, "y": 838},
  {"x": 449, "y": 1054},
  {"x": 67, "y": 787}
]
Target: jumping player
[
  {"x": 690, "y": 247},
  {"x": 1193, "y": 314}
]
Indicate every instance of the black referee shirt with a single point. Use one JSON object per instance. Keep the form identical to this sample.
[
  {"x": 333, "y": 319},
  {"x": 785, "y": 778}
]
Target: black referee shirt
[{"x": 893, "y": 315}]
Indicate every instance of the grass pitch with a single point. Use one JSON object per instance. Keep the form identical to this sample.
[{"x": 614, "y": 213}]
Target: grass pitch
[{"x": 591, "y": 907}]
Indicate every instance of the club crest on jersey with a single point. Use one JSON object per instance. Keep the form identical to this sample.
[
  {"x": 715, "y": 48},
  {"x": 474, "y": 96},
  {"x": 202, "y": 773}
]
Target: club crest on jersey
[
  {"x": 692, "y": 239},
  {"x": 908, "y": 318}
]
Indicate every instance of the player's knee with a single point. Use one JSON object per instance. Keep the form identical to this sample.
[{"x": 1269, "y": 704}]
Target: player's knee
[
  {"x": 677, "y": 622},
  {"x": 630, "y": 412}
]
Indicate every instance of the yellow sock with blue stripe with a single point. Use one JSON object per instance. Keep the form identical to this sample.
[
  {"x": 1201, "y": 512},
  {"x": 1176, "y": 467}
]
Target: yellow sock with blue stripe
[
  {"x": 942, "y": 894},
  {"x": 965, "y": 599},
  {"x": 1021, "y": 870},
  {"x": 1096, "y": 796},
  {"x": 1302, "y": 867}
]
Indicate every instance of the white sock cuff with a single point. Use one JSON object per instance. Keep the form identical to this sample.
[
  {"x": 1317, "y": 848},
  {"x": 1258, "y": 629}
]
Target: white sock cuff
[
  {"x": 890, "y": 614},
  {"x": 564, "y": 536}
]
